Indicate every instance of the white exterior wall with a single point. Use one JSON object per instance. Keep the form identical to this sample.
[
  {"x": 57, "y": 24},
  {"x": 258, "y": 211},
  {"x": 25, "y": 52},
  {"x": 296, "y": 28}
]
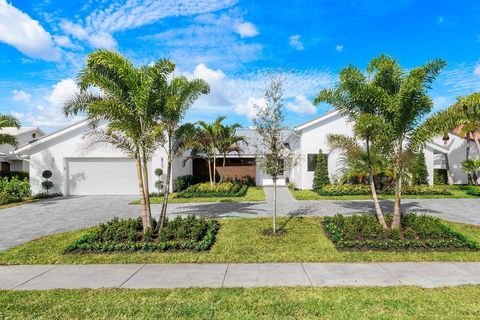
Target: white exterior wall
[
  {"x": 314, "y": 138},
  {"x": 430, "y": 163},
  {"x": 457, "y": 149},
  {"x": 54, "y": 156},
  {"x": 22, "y": 138}
]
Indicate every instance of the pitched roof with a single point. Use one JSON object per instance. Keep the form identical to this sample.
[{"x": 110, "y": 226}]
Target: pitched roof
[
  {"x": 253, "y": 140},
  {"x": 326, "y": 115}
]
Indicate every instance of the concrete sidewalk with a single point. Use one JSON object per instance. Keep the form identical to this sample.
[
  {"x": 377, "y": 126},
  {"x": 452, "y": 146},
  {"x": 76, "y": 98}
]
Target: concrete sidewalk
[{"x": 135, "y": 276}]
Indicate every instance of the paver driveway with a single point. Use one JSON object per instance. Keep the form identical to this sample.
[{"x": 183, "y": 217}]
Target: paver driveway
[{"x": 30, "y": 221}]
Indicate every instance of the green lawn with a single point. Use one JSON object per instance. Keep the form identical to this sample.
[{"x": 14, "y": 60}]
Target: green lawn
[
  {"x": 239, "y": 240},
  {"x": 458, "y": 192},
  {"x": 254, "y": 303},
  {"x": 253, "y": 194}
]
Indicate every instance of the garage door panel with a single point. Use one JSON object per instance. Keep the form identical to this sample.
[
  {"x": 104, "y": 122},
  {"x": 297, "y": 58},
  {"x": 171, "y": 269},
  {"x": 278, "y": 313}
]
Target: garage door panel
[{"x": 102, "y": 176}]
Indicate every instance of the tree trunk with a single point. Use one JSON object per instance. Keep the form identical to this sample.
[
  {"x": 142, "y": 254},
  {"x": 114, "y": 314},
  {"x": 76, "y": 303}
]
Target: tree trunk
[
  {"x": 477, "y": 144},
  {"x": 397, "y": 213},
  {"x": 274, "y": 206},
  {"x": 163, "y": 212},
  {"x": 378, "y": 209},
  {"x": 214, "y": 169},
  {"x": 147, "y": 192},
  {"x": 142, "y": 194},
  {"x": 222, "y": 177},
  {"x": 209, "y": 171}
]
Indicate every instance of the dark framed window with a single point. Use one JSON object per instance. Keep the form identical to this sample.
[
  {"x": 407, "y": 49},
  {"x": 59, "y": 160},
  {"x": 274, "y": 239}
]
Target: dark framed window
[{"x": 311, "y": 162}]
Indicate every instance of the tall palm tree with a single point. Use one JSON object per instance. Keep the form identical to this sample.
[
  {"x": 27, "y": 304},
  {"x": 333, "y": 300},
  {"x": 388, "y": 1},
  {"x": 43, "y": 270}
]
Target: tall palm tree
[
  {"x": 178, "y": 95},
  {"x": 468, "y": 110},
  {"x": 5, "y": 122},
  {"x": 228, "y": 142},
  {"x": 127, "y": 101}
]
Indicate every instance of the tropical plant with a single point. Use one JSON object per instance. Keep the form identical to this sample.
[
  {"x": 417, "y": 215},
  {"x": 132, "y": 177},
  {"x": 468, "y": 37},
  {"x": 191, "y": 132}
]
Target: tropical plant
[
  {"x": 472, "y": 167},
  {"x": 468, "y": 110},
  {"x": 228, "y": 142},
  {"x": 177, "y": 97},
  {"x": 8, "y": 121},
  {"x": 209, "y": 135},
  {"x": 272, "y": 154},
  {"x": 159, "y": 183},
  {"x": 418, "y": 169},
  {"x": 127, "y": 99},
  {"x": 403, "y": 100},
  {"x": 320, "y": 176}
]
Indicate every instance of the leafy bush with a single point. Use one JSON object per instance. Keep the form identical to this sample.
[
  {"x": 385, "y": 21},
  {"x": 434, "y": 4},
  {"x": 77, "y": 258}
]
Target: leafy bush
[
  {"x": 13, "y": 189},
  {"x": 363, "y": 189},
  {"x": 419, "y": 169},
  {"x": 190, "y": 233},
  {"x": 320, "y": 177},
  {"x": 440, "y": 176},
  {"x": 183, "y": 182},
  {"x": 44, "y": 195},
  {"x": 247, "y": 180},
  {"x": 205, "y": 190},
  {"x": 418, "y": 232}
]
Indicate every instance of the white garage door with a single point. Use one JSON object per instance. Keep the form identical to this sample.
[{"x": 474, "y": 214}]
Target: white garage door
[{"x": 102, "y": 176}]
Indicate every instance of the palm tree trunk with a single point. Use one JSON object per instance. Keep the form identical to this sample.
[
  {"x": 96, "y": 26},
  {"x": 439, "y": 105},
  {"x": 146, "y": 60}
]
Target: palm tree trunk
[
  {"x": 214, "y": 169},
  {"x": 477, "y": 144},
  {"x": 274, "y": 206},
  {"x": 223, "y": 168},
  {"x": 378, "y": 209},
  {"x": 209, "y": 171},
  {"x": 147, "y": 191},
  {"x": 142, "y": 194},
  {"x": 447, "y": 166},
  {"x": 163, "y": 212},
  {"x": 398, "y": 190}
]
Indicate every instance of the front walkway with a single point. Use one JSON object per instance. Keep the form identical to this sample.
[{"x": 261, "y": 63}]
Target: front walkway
[{"x": 423, "y": 274}]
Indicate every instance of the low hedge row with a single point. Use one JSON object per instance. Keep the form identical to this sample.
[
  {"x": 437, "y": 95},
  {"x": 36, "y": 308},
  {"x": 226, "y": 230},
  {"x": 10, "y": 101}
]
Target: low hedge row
[
  {"x": 207, "y": 190},
  {"x": 188, "y": 233},
  {"x": 363, "y": 189},
  {"x": 418, "y": 232}
]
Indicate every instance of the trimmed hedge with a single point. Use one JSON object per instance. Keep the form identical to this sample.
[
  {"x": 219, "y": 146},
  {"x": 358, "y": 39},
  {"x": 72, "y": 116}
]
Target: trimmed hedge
[
  {"x": 418, "y": 232},
  {"x": 190, "y": 233},
  {"x": 21, "y": 175},
  {"x": 13, "y": 189},
  {"x": 363, "y": 189},
  {"x": 206, "y": 190}
]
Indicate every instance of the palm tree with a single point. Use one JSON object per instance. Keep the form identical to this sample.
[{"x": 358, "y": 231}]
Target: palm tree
[
  {"x": 404, "y": 103},
  {"x": 5, "y": 122},
  {"x": 209, "y": 135},
  {"x": 468, "y": 110},
  {"x": 229, "y": 142},
  {"x": 127, "y": 101},
  {"x": 178, "y": 95}
]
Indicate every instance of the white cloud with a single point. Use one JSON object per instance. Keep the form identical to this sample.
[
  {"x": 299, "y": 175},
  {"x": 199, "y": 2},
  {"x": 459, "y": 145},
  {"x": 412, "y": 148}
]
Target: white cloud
[
  {"x": 95, "y": 39},
  {"x": 25, "y": 34},
  {"x": 296, "y": 43},
  {"x": 246, "y": 29},
  {"x": 61, "y": 91},
  {"x": 476, "y": 71},
  {"x": 21, "y": 96},
  {"x": 203, "y": 72},
  {"x": 64, "y": 41},
  {"x": 250, "y": 107},
  {"x": 301, "y": 105},
  {"x": 339, "y": 47},
  {"x": 46, "y": 109},
  {"x": 135, "y": 13}
]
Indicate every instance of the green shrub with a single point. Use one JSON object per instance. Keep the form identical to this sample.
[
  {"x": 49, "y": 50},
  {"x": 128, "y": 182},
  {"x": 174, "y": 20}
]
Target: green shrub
[
  {"x": 15, "y": 187},
  {"x": 418, "y": 232},
  {"x": 474, "y": 191},
  {"x": 363, "y": 189},
  {"x": 183, "y": 182},
  {"x": 440, "y": 176},
  {"x": 206, "y": 190},
  {"x": 320, "y": 177},
  {"x": 190, "y": 233},
  {"x": 419, "y": 169}
]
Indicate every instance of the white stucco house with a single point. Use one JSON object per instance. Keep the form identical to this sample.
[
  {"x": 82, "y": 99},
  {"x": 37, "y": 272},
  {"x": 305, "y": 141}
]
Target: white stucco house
[
  {"x": 10, "y": 161},
  {"x": 82, "y": 169}
]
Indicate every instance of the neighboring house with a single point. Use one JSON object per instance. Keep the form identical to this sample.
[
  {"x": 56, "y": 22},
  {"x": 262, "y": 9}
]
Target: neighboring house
[
  {"x": 80, "y": 168},
  {"x": 10, "y": 161}
]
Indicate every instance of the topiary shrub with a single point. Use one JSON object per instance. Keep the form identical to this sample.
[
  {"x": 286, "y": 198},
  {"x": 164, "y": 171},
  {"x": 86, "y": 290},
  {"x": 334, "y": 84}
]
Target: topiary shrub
[
  {"x": 159, "y": 183},
  {"x": 47, "y": 184},
  {"x": 440, "y": 176},
  {"x": 419, "y": 169},
  {"x": 320, "y": 176}
]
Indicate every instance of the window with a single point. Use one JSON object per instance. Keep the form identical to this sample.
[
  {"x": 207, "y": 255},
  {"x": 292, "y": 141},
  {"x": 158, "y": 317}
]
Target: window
[{"x": 311, "y": 162}]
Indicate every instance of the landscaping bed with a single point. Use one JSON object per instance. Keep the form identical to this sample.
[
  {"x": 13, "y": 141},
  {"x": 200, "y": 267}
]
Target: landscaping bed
[
  {"x": 363, "y": 189},
  {"x": 474, "y": 191},
  {"x": 205, "y": 190},
  {"x": 239, "y": 240},
  {"x": 190, "y": 233},
  {"x": 361, "y": 232}
]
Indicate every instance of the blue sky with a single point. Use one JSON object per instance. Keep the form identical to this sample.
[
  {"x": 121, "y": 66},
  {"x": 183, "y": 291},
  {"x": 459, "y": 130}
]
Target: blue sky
[{"x": 232, "y": 44}]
